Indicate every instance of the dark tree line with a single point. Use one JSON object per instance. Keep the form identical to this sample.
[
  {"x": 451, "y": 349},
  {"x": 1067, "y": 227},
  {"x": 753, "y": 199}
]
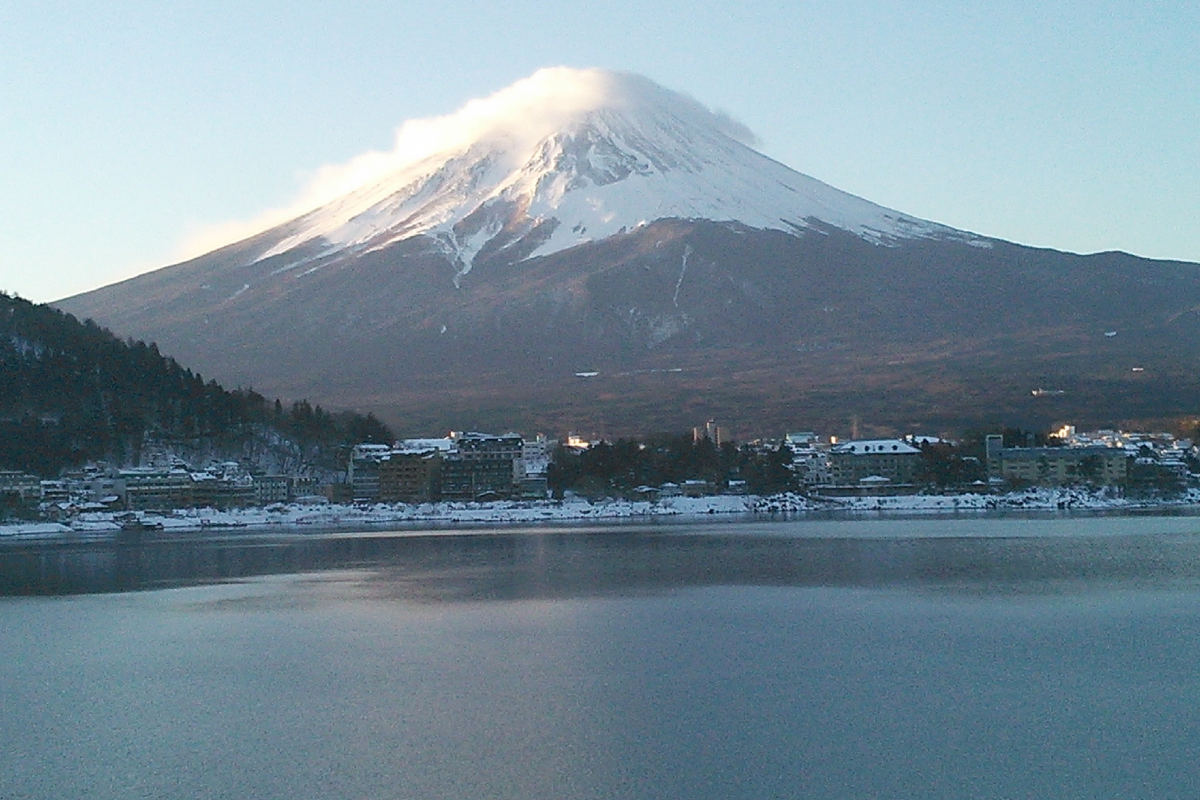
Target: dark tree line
[
  {"x": 623, "y": 466},
  {"x": 943, "y": 465},
  {"x": 71, "y": 391}
]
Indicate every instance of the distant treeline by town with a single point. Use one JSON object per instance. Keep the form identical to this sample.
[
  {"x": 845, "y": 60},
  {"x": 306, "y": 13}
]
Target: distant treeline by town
[
  {"x": 623, "y": 466},
  {"x": 627, "y": 464},
  {"x": 71, "y": 392}
]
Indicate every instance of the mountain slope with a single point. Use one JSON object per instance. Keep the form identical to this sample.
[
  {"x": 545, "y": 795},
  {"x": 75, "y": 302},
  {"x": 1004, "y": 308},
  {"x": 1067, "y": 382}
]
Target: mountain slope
[
  {"x": 568, "y": 157},
  {"x": 72, "y": 392},
  {"x": 586, "y": 222}
]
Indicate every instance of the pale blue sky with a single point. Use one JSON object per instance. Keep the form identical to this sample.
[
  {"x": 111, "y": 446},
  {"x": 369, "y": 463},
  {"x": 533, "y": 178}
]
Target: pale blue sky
[{"x": 127, "y": 126}]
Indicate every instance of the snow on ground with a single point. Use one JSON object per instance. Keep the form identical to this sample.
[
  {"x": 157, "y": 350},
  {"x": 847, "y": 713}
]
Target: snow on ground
[
  {"x": 325, "y": 517},
  {"x": 1041, "y": 499},
  {"x": 34, "y": 530}
]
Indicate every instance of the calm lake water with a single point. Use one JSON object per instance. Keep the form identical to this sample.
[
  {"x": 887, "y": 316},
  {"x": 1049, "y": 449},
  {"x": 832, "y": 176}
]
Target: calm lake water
[{"x": 938, "y": 658}]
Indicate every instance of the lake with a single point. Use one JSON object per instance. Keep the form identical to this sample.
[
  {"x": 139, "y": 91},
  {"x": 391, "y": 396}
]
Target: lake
[{"x": 971, "y": 657}]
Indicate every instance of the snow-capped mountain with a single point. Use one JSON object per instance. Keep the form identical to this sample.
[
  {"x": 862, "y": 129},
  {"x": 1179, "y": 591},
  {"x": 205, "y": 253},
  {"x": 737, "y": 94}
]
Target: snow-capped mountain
[
  {"x": 587, "y": 250},
  {"x": 568, "y": 157}
]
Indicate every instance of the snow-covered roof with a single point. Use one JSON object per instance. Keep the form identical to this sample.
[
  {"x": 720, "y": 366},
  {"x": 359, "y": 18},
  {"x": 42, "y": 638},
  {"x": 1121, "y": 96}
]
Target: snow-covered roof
[
  {"x": 868, "y": 446},
  {"x": 423, "y": 445},
  {"x": 919, "y": 439},
  {"x": 366, "y": 447}
]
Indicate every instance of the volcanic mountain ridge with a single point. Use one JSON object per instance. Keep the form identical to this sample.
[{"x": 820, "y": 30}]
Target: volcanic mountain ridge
[{"x": 587, "y": 250}]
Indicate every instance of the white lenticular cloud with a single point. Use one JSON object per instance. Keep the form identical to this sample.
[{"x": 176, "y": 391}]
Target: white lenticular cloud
[{"x": 521, "y": 115}]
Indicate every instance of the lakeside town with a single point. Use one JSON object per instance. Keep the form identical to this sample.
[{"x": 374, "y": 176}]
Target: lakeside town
[
  {"x": 99, "y": 435},
  {"x": 471, "y": 477}
]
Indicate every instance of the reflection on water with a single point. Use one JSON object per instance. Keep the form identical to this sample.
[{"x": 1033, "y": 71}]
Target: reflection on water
[
  {"x": 542, "y": 563},
  {"x": 934, "y": 659}
]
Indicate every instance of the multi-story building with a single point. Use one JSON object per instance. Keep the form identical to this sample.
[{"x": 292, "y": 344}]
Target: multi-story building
[
  {"x": 876, "y": 461},
  {"x": 532, "y": 467},
  {"x": 409, "y": 477},
  {"x": 482, "y": 465},
  {"x": 58, "y": 491},
  {"x": 211, "y": 490},
  {"x": 535, "y": 456},
  {"x": 150, "y": 488},
  {"x": 464, "y": 466},
  {"x": 810, "y": 459},
  {"x": 364, "y": 471},
  {"x": 270, "y": 489},
  {"x": 1056, "y": 466},
  {"x": 19, "y": 487}
]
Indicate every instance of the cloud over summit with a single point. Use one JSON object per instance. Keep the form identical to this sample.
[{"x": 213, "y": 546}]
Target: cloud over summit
[{"x": 520, "y": 115}]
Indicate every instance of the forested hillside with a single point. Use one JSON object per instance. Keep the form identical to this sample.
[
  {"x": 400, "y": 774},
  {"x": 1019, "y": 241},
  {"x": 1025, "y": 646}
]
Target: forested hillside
[{"x": 71, "y": 391}]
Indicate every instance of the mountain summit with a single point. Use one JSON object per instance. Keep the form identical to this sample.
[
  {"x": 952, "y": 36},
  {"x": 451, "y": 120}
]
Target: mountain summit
[
  {"x": 587, "y": 250},
  {"x": 566, "y": 157}
]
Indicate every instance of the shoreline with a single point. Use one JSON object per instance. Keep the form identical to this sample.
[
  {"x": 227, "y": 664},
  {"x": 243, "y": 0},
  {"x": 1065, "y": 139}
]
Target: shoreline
[{"x": 294, "y": 518}]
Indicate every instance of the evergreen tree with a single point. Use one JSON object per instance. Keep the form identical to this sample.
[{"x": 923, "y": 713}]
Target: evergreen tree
[{"x": 71, "y": 391}]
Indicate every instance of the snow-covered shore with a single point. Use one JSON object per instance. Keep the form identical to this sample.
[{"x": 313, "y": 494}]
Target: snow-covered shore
[{"x": 333, "y": 517}]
